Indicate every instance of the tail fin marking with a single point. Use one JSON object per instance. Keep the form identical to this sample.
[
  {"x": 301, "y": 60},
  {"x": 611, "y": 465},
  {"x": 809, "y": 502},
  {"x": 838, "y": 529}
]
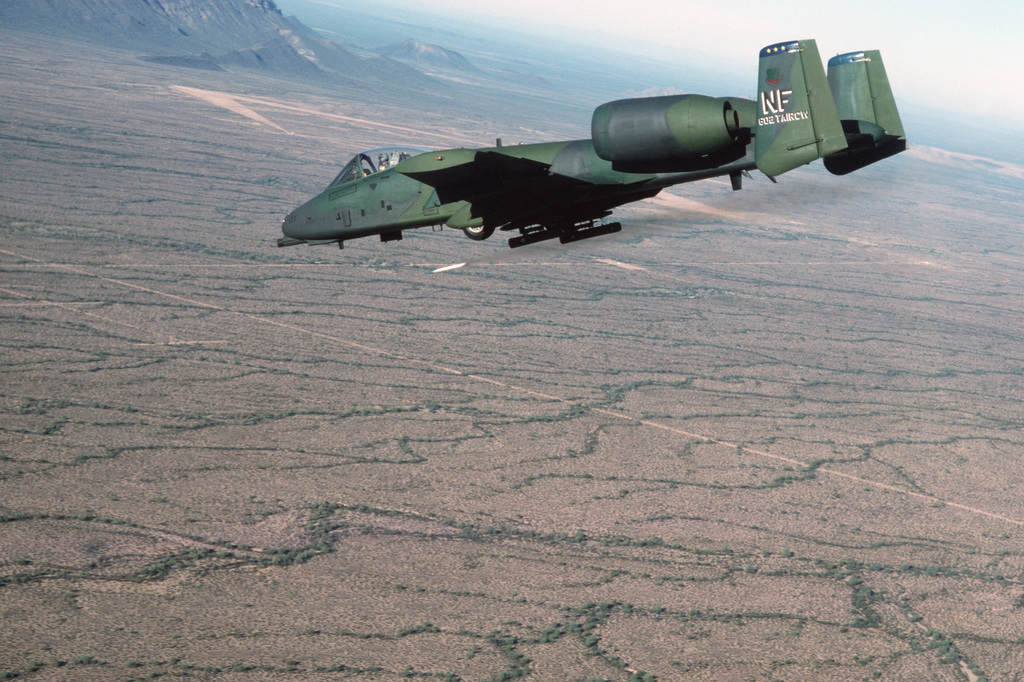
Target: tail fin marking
[{"x": 797, "y": 118}]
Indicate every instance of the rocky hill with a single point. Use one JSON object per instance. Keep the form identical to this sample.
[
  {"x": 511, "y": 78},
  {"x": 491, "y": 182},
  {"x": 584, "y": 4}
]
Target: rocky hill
[
  {"x": 250, "y": 34},
  {"x": 429, "y": 57}
]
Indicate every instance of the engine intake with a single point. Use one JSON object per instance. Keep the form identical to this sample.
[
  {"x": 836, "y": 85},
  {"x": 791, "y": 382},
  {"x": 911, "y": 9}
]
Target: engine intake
[{"x": 668, "y": 134}]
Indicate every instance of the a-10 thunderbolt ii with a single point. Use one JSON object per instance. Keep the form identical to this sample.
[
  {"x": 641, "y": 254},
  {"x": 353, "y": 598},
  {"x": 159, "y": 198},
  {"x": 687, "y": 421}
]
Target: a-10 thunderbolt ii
[{"x": 638, "y": 147}]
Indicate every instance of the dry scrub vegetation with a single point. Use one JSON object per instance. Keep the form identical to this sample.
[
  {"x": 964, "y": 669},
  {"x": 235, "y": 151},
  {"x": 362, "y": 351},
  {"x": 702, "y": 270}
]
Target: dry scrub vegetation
[{"x": 775, "y": 436}]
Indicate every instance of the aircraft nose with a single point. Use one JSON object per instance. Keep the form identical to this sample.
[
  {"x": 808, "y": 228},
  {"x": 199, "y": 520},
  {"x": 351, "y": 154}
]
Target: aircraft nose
[
  {"x": 288, "y": 227},
  {"x": 289, "y": 223}
]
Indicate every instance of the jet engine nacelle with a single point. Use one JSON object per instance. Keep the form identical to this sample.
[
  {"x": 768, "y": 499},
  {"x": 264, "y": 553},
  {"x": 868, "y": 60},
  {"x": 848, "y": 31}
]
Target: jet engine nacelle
[{"x": 668, "y": 134}]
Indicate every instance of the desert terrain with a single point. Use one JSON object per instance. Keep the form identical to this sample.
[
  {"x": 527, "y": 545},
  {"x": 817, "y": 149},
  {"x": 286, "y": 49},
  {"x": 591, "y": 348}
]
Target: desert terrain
[{"x": 776, "y": 434}]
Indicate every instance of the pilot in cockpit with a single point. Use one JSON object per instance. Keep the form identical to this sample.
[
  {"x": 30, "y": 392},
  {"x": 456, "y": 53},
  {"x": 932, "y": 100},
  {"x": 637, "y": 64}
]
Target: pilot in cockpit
[
  {"x": 364, "y": 165},
  {"x": 390, "y": 158}
]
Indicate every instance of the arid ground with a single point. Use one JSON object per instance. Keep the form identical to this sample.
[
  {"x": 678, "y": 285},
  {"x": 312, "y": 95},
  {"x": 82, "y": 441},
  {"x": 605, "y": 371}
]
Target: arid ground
[{"x": 770, "y": 434}]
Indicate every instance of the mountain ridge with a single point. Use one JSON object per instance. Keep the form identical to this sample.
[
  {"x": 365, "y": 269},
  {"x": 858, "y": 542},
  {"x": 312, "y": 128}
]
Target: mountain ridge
[{"x": 207, "y": 34}]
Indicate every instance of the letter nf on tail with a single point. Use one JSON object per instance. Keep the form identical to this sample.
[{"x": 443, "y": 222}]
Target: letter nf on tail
[
  {"x": 774, "y": 101},
  {"x": 637, "y": 147}
]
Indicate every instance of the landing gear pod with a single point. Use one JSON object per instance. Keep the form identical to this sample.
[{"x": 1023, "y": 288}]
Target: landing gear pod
[
  {"x": 668, "y": 134},
  {"x": 480, "y": 233}
]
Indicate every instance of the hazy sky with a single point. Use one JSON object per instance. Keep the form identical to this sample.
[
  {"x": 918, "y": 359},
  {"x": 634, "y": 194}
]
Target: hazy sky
[{"x": 954, "y": 55}]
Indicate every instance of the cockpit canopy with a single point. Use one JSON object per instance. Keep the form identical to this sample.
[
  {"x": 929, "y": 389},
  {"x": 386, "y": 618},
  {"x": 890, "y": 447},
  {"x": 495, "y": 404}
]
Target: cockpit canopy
[{"x": 374, "y": 161}]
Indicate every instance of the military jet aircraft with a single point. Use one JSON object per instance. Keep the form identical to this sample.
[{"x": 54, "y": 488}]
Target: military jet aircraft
[{"x": 638, "y": 147}]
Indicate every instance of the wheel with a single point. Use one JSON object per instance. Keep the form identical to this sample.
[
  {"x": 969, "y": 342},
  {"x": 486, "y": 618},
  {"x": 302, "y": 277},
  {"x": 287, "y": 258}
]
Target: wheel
[{"x": 478, "y": 234}]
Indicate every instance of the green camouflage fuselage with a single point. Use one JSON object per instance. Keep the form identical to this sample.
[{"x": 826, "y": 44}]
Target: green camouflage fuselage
[
  {"x": 390, "y": 201},
  {"x": 638, "y": 146}
]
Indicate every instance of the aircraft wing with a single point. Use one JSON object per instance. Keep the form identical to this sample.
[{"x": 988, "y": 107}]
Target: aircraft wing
[
  {"x": 501, "y": 186},
  {"x": 469, "y": 171}
]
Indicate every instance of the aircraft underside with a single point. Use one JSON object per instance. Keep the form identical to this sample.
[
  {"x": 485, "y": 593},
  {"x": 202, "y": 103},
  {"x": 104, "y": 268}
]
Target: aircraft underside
[{"x": 570, "y": 221}]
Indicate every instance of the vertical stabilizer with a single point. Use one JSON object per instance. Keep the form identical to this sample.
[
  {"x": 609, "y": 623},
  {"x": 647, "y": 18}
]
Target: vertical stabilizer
[
  {"x": 867, "y": 110},
  {"x": 797, "y": 119}
]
